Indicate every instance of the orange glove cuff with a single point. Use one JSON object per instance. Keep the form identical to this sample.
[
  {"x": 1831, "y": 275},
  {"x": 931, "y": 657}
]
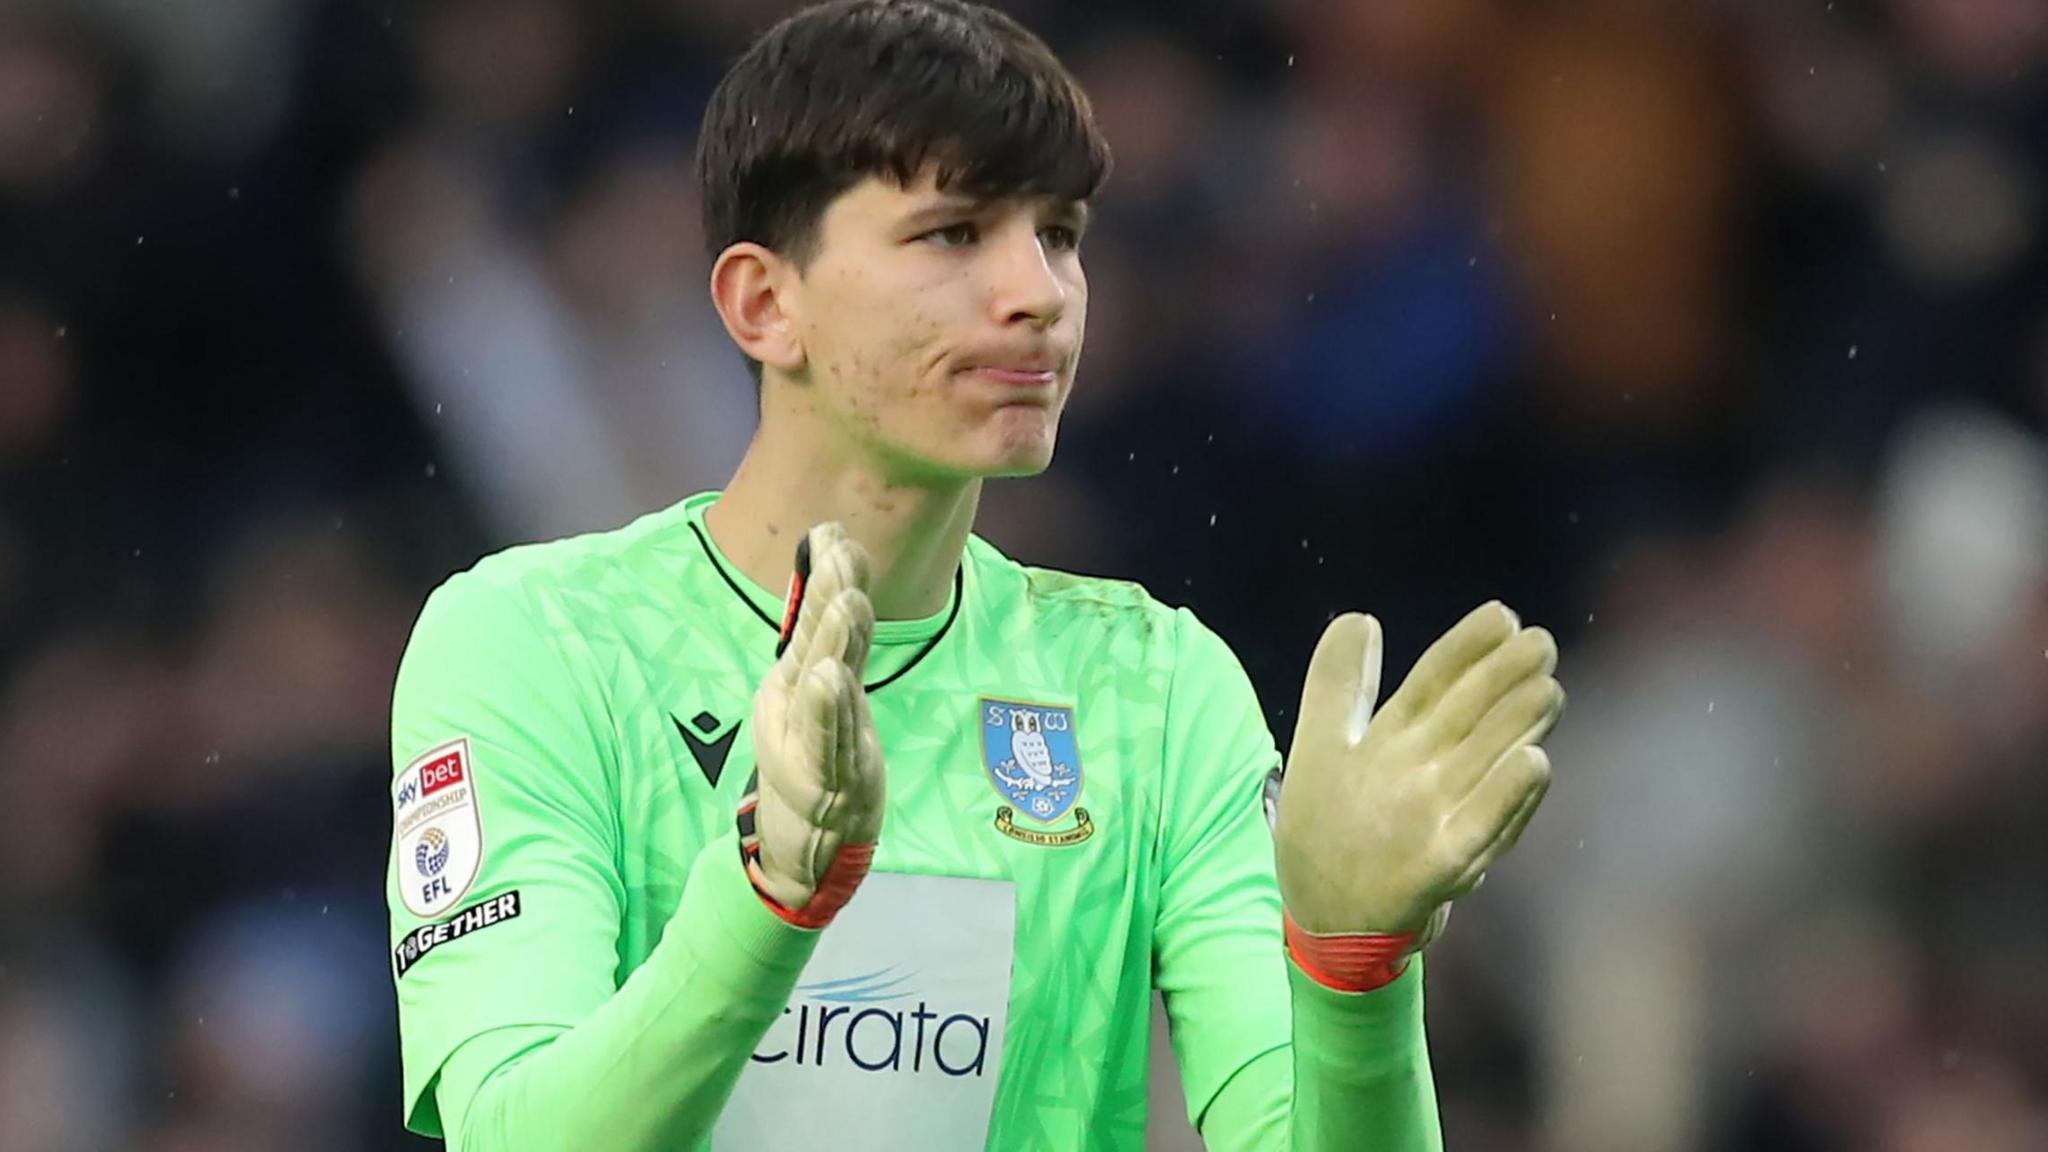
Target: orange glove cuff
[
  {"x": 837, "y": 886},
  {"x": 1353, "y": 962}
]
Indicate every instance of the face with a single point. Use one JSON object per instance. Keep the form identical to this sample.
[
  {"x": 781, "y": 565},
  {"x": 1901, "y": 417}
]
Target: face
[{"x": 940, "y": 332}]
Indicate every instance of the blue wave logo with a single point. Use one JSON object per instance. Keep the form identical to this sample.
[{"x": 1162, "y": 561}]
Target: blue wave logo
[{"x": 858, "y": 989}]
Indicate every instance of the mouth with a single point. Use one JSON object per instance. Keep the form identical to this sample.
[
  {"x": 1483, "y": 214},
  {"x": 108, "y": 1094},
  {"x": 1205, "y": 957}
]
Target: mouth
[{"x": 1017, "y": 377}]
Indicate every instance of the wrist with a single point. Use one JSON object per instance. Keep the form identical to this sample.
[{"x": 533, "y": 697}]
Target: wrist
[
  {"x": 1349, "y": 961},
  {"x": 834, "y": 888},
  {"x": 826, "y": 897}
]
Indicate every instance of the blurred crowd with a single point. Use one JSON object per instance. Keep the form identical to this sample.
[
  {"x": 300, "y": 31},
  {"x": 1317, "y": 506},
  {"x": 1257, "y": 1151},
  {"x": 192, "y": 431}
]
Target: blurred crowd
[{"x": 1713, "y": 335}]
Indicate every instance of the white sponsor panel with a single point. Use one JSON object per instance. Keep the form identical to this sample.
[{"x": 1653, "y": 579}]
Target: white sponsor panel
[
  {"x": 894, "y": 1036},
  {"x": 437, "y": 828}
]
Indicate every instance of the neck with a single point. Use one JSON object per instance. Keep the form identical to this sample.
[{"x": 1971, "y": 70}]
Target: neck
[{"x": 914, "y": 533}]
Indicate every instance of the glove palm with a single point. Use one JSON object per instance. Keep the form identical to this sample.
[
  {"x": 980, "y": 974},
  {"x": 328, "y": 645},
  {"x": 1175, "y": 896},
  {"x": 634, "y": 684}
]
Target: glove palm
[{"x": 1385, "y": 818}]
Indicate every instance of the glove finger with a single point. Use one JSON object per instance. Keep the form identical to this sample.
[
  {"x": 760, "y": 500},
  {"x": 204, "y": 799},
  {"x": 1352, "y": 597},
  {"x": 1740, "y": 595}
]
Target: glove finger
[
  {"x": 860, "y": 630},
  {"x": 833, "y": 637},
  {"x": 827, "y": 680},
  {"x": 857, "y": 612},
  {"x": 1492, "y": 818},
  {"x": 1439, "y": 920},
  {"x": 806, "y": 756},
  {"x": 831, "y": 634},
  {"x": 828, "y": 563},
  {"x": 1477, "y": 874},
  {"x": 789, "y": 790},
  {"x": 867, "y": 828},
  {"x": 797, "y": 623},
  {"x": 846, "y": 747},
  {"x": 830, "y": 814},
  {"x": 771, "y": 709},
  {"x": 792, "y": 722},
  {"x": 1524, "y": 716},
  {"x": 851, "y": 557},
  {"x": 864, "y": 786},
  {"x": 1529, "y": 652},
  {"x": 1343, "y": 681},
  {"x": 1483, "y": 629}
]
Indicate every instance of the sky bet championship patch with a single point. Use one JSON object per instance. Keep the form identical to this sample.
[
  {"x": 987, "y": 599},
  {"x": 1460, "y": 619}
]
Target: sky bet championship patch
[
  {"x": 438, "y": 833},
  {"x": 476, "y": 917}
]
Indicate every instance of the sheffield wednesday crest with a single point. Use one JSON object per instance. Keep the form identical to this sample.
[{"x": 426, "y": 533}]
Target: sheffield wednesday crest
[{"x": 1034, "y": 762}]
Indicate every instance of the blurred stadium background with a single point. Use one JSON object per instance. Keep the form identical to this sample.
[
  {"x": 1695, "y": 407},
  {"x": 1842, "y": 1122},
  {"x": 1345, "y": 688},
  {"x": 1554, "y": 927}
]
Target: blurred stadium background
[{"x": 1712, "y": 334}]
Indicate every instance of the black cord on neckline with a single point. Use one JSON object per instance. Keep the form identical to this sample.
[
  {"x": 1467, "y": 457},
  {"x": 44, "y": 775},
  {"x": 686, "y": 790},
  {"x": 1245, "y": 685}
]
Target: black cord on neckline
[{"x": 775, "y": 626}]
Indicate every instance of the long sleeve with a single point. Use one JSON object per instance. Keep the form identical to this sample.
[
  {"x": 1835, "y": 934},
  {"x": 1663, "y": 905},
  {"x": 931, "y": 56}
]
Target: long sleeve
[
  {"x": 517, "y": 1027},
  {"x": 1270, "y": 1060},
  {"x": 654, "y": 1064},
  {"x": 1356, "y": 1077}
]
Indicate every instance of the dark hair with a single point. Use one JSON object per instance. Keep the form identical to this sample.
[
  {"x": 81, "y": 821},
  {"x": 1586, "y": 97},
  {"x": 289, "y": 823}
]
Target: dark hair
[{"x": 857, "y": 88}]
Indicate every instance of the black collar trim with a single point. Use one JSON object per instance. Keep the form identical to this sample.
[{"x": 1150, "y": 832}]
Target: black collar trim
[{"x": 775, "y": 626}]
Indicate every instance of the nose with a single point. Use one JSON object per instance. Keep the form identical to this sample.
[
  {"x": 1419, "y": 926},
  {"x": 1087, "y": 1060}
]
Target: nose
[{"x": 1025, "y": 288}]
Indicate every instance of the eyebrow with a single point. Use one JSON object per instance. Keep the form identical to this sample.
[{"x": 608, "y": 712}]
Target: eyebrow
[
  {"x": 944, "y": 208},
  {"x": 948, "y": 207}
]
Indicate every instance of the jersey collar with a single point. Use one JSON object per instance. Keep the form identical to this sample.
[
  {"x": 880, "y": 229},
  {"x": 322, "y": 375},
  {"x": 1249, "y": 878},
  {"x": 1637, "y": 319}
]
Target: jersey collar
[{"x": 925, "y": 632}]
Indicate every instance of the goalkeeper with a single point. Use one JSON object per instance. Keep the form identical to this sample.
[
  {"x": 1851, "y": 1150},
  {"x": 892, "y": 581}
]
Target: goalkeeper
[{"x": 652, "y": 886}]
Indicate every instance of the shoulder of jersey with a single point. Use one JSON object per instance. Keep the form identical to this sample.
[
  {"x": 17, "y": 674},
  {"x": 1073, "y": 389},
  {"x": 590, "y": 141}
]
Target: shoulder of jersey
[
  {"x": 1116, "y": 604},
  {"x": 585, "y": 556}
]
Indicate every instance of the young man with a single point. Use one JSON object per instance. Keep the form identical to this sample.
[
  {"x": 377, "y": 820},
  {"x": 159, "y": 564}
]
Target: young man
[{"x": 638, "y": 792}]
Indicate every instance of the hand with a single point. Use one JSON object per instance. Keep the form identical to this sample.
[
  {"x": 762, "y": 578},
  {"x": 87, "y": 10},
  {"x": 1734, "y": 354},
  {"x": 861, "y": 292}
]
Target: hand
[
  {"x": 1384, "y": 818},
  {"x": 814, "y": 810}
]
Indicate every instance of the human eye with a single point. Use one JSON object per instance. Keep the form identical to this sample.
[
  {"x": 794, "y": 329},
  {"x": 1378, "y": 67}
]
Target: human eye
[
  {"x": 1061, "y": 237},
  {"x": 958, "y": 235}
]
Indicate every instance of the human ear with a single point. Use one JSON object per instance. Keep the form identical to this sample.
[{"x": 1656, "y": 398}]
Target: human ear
[{"x": 751, "y": 288}]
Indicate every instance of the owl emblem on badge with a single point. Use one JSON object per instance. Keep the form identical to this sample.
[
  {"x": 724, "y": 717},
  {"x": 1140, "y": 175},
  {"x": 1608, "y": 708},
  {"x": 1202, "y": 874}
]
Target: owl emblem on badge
[
  {"x": 1034, "y": 762},
  {"x": 1030, "y": 769}
]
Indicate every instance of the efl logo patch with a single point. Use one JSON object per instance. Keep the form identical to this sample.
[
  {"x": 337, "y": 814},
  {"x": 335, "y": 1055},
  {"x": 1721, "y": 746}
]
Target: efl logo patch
[
  {"x": 437, "y": 828},
  {"x": 1035, "y": 763}
]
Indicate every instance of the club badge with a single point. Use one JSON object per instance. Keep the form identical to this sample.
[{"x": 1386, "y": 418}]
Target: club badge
[{"x": 1034, "y": 762}]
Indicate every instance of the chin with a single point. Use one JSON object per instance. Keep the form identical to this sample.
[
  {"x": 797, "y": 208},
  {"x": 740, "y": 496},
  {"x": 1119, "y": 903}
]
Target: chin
[
  {"x": 1002, "y": 463},
  {"x": 964, "y": 462},
  {"x": 1019, "y": 451},
  {"x": 1018, "y": 443},
  {"x": 1021, "y": 466}
]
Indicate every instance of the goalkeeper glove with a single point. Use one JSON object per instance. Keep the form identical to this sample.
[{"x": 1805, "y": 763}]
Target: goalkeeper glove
[
  {"x": 1386, "y": 818},
  {"x": 813, "y": 808}
]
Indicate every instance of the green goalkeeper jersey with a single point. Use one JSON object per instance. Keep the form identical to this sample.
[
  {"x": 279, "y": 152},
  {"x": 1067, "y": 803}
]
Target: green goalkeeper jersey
[{"x": 1075, "y": 777}]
